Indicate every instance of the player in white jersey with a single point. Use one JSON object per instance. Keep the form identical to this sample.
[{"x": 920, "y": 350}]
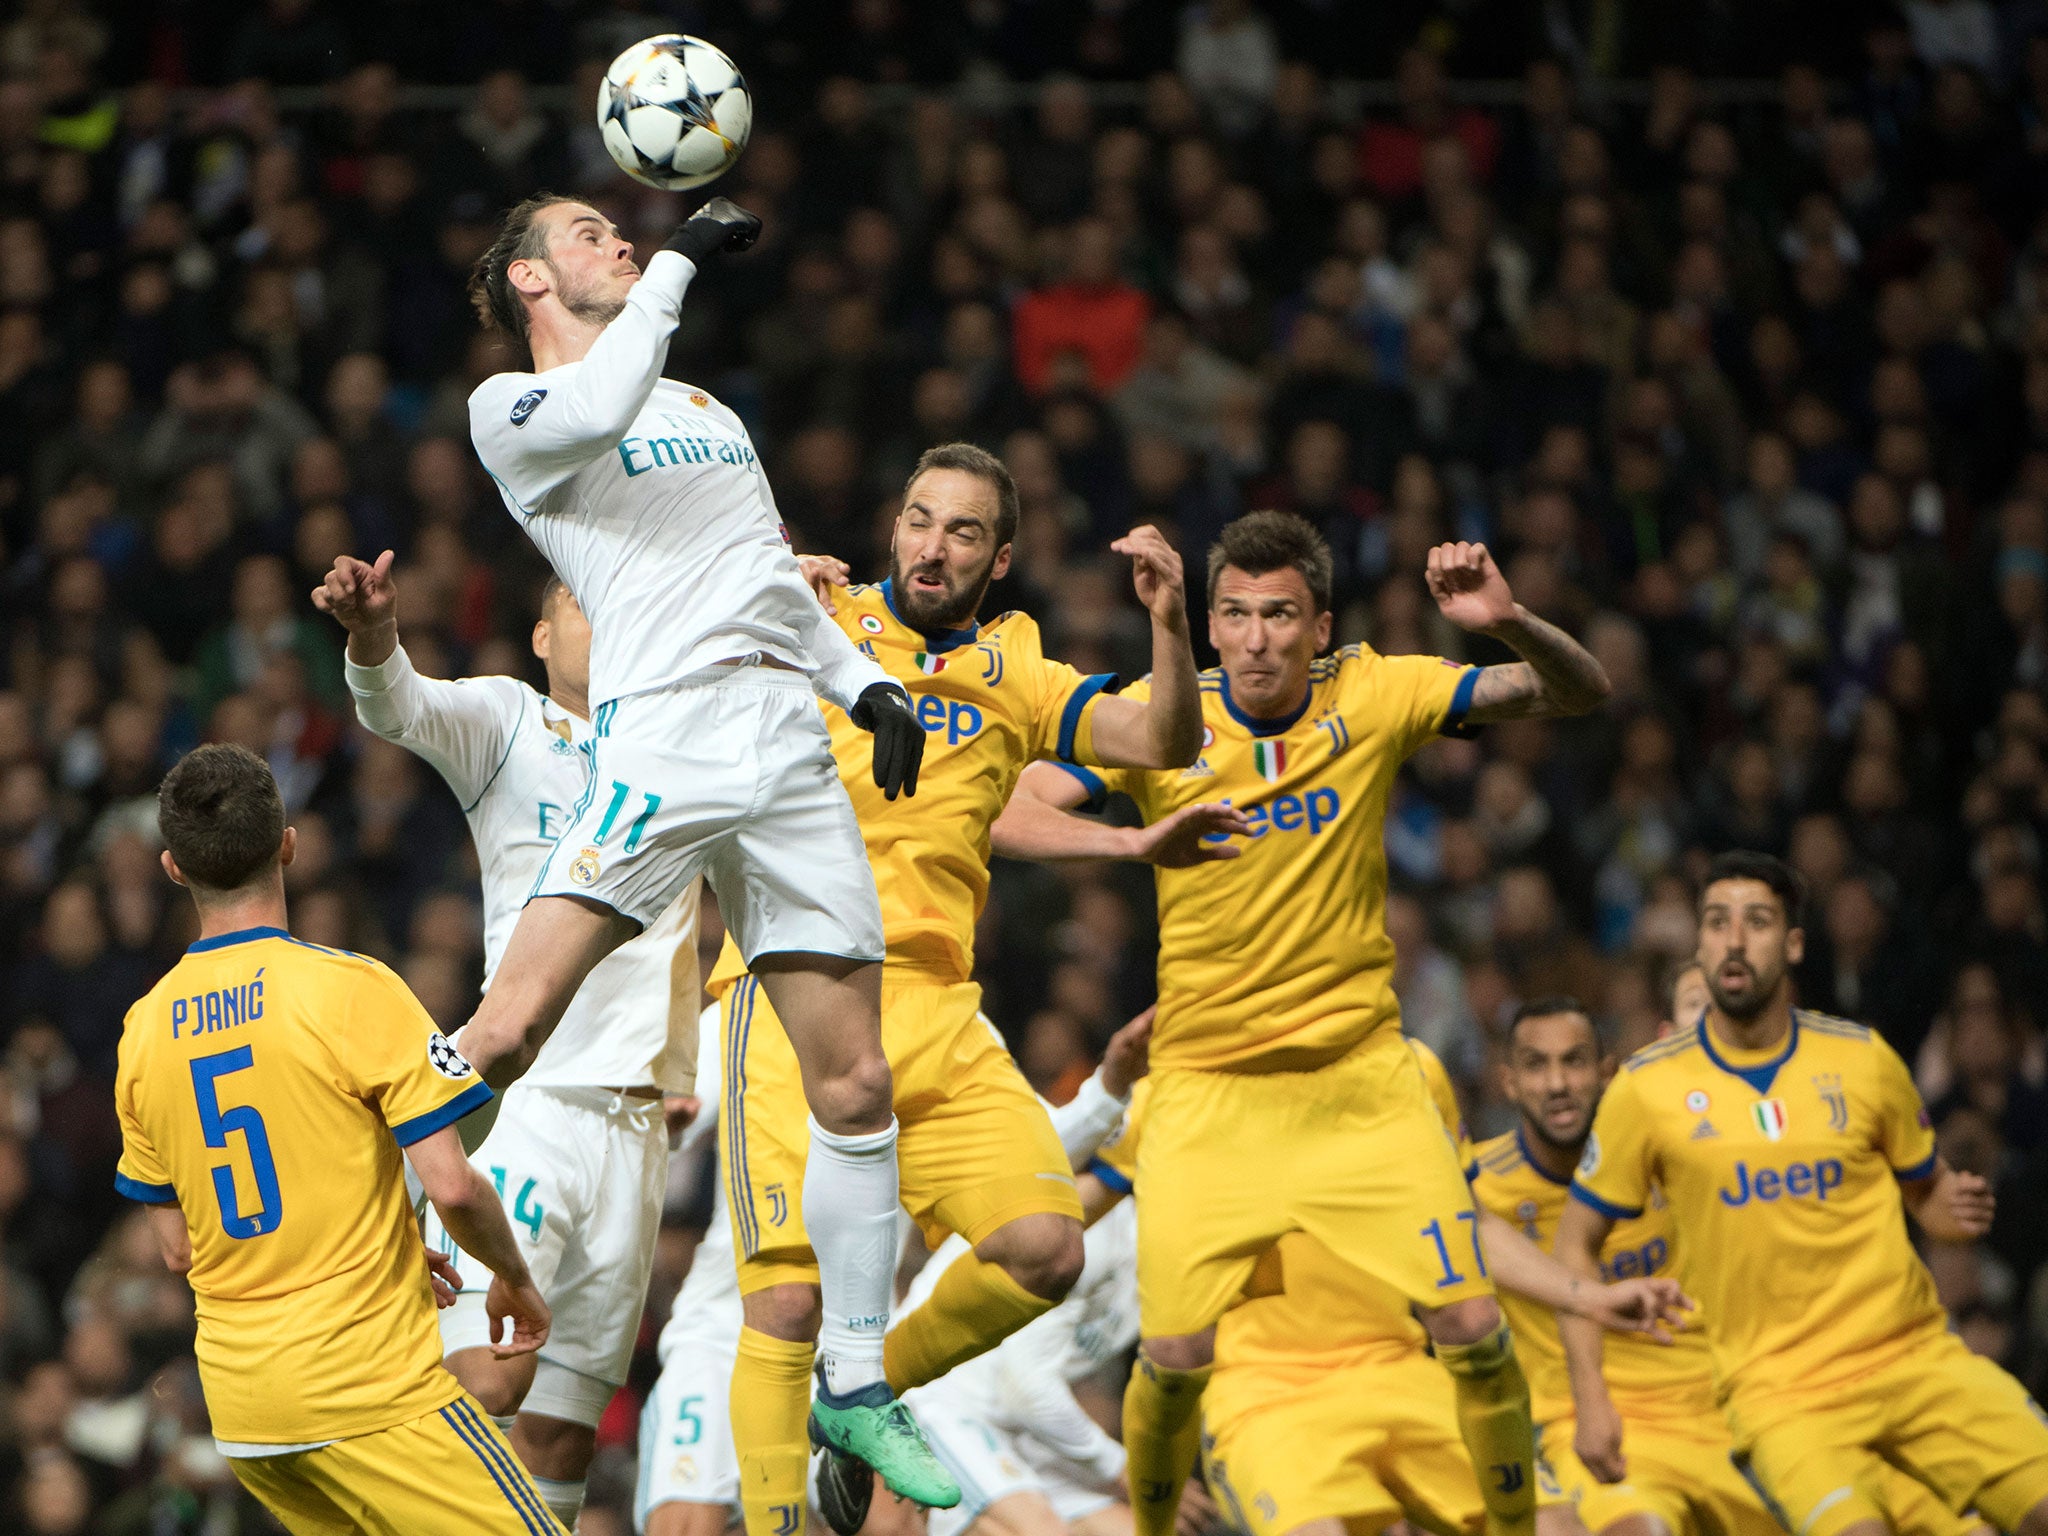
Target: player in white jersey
[
  {"x": 580, "y": 1153},
  {"x": 1028, "y": 1458},
  {"x": 709, "y": 755},
  {"x": 689, "y": 1481}
]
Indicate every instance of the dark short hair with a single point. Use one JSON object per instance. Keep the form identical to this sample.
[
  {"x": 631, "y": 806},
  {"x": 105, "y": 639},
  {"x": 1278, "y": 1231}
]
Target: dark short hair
[
  {"x": 221, "y": 816},
  {"x": 979, "y": 462},
  {"x": 1546, "y": 1007},
  {"x": 520, "y": 238},
  {"x": 1260, "y": 542},
  {"x": 1674, "y": 973},
  {"x": 1744, "y": 864}
]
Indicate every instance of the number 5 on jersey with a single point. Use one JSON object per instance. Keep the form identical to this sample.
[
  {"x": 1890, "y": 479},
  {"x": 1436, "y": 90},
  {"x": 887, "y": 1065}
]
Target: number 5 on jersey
[{"x": 216, "y": 1123}]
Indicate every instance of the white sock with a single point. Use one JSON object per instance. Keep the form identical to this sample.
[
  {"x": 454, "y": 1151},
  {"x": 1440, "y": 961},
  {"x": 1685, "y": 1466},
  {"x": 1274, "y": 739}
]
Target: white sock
[
  {"x": 565, "y": 1499},
  {"x": 850, "y": 1199},
  {"x": 504, "y": 1421}
]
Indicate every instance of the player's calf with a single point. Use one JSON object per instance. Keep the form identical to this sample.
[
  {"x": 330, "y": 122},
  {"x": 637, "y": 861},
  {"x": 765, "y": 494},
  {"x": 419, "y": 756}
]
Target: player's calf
[
  {"x": 1018, "y": 1272},
  {"x": 558, "y": 1455},
  {"x": 1493, "y": 1410}
]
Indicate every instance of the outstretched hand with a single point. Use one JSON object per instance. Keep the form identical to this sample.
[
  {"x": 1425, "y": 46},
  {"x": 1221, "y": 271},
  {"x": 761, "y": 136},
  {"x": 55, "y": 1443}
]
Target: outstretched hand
[
  {"x": 1468, "y": 587},
  {"x": 1194, "y": 834},
  {"x": 822, "y": 573},
  {"x": 1652, "y": 1305}
]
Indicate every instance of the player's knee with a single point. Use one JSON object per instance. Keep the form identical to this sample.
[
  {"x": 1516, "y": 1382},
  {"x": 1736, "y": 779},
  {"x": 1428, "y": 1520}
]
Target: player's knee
[
  {"x": 499, "y": 1386},
  {"x": 855, "y": 1099},
  {"x": 1464, "y": 1322},
  {"x": 1182, "y": 1352},
  {"x": 787, "y": 1312},
  {"x": 1042, "y": 1252},
  {"x": 554, "y": 1448}
]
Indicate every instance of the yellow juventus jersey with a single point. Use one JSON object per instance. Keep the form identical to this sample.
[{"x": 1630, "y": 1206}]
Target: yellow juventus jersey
[
  {"x": 990, "y": 703},
  {"x": 1647, "y": 1380},
  {"x": 1782, "y": 1171},
  {"x": 1279, "y": 959},
  {"x": 1304, "y": 1305},
  {"x": 266, "y": 1086}
]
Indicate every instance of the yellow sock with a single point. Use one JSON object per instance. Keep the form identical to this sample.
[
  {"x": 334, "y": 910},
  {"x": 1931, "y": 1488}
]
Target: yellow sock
[
  {"x": 974, "y": 1307},
  {"x": 771, "y": 1399},
  {"x": 1494, "y": 1419},
  {"x": 1162, "y": 1438}
]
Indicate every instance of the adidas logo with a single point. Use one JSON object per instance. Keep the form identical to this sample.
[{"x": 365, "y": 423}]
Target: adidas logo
[
  {"x": 1199, "y": 769},
  {"x": 1704, "y": 1131}
]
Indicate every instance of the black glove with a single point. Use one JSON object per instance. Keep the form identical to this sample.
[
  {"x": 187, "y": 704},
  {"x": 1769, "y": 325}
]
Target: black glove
[
  {"x": 720, "y": 225},
  {"x": 884, "y": 710}
]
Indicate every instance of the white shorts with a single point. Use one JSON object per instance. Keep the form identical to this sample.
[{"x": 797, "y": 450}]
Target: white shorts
[
  {"x": 581, "y": 1172},
  {"x": 990, "y": 1465},
  {"x": 728, "y": 775},
  {"x": 686, "y": 1451}
]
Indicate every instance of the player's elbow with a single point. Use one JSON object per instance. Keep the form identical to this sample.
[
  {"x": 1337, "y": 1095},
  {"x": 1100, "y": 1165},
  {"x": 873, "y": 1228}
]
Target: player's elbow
[
  {"x": 1586, "y": 694},
  {"x": 1182, "y": 745}
]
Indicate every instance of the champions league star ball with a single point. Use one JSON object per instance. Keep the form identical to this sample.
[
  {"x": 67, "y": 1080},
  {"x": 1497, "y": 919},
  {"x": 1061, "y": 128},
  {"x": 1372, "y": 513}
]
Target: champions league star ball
[{"x": 674, "y": 112}]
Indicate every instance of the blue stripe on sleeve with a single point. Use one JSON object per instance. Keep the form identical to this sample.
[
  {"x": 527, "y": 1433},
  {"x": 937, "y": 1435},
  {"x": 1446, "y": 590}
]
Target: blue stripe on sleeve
[
  {"x": 419, "y": 1127},
  {"x": 1606, "y": 1208},
  {"x": 148, "y": 1194},
  {"x": 1110, "y": 1176},
  {"x": 1920, "y": 1170},
  {"x": 1070, "y": 717},
  {"x": 1092, "y": 782},
  {"x": 1461, "y": 704}
]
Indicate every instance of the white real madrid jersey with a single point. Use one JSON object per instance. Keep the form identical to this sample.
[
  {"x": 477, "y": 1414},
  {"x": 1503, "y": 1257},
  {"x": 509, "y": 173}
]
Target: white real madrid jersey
[
  {"x": 513, "y": 759},
  {"x": 648, "y": 499}
]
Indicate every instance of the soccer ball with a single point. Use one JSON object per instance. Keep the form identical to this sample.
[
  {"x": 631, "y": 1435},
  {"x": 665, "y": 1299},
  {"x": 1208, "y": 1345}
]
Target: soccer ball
[{"x": 674, "y": 112}]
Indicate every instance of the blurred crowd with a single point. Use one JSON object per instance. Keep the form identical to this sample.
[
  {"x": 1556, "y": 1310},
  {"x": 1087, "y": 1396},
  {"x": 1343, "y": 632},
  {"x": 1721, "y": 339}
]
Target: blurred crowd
[{"x": 1754, "y": 398}]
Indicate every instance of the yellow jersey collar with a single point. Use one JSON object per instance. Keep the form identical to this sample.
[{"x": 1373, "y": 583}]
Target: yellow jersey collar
[
  {"x": 937, "y": 641},
  {"x": 1274, "y": 727},
  {"x": 1758, "y": 1074}
]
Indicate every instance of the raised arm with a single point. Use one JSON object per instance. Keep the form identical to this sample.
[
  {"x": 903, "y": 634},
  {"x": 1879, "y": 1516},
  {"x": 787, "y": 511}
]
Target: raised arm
[
  {"x": 534, "y": 430},
  {"x": 1039, "y": 823},
  {"x": 1556, "y": 675},
  {"x": 1096, "y": 1111},
  {"x": 1581, "y": 1233},
  {"x": 1165, "y": 731},
  {"x": 461, "y": 728}
]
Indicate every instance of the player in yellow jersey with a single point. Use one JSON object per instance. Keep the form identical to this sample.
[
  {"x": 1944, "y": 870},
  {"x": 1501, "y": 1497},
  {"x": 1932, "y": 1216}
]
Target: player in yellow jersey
[
  {"x": 976, "y": 1153},
  {"x": 266, "y": 1089},
  {"x": 1677, "y": 1477},
  {"x": 1325, "y": 1414},
  {"x": 1789, "y": 1147},
  {"x": 1284, "y": 1098}
]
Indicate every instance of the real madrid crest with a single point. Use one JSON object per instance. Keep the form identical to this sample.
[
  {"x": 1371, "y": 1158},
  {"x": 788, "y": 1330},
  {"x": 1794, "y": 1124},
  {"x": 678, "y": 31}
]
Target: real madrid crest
[{"x": 583, "y": 869}]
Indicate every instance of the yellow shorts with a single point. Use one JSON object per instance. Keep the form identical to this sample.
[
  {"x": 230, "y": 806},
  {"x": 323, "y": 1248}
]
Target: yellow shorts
[
  {"x": 1951, "y": 1420},
  {"x": 975, "y": 1148},
  {"x": 1354, "y": 1154},
  {"x": 1679, "y": 1473},
  {"x": 1367, "y": 1445},
  {"x": 446, "y": 1471}
]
